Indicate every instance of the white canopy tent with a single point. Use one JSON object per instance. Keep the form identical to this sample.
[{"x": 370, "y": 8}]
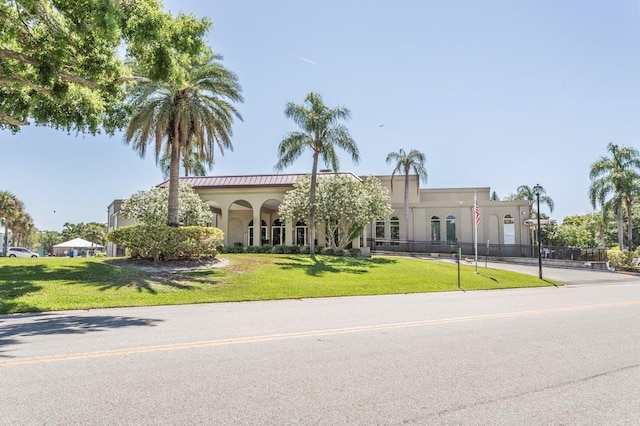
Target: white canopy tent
[{"x": 78, "y": 245}]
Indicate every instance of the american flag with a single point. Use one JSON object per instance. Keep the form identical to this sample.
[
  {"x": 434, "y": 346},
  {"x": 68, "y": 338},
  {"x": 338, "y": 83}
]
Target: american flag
[{"x": 476, "y": 212}]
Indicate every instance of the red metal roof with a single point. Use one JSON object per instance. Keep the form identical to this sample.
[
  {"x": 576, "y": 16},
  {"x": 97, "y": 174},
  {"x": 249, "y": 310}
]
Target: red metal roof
[{"x": 245, "y": 180}]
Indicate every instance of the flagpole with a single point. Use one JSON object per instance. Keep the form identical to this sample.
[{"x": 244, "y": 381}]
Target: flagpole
[{"x": 475, "y": 227}]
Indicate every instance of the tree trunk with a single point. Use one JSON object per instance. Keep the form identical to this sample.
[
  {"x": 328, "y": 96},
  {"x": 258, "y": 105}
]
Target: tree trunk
[
  {"x": 629, "y": 202},
  {"x": 312, "y": 205},
  {"x": 602, "y": 235},
  {"x": 6, "y": 237},
  {"x": 620, "y": 230},
  {"x": 174, "y": 178},
  {"x": 406, "y": 206}
]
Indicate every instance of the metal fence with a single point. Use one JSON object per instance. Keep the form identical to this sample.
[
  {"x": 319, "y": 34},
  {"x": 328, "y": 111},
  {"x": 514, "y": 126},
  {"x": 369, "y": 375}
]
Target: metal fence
[{"x": 493, "y": 250}]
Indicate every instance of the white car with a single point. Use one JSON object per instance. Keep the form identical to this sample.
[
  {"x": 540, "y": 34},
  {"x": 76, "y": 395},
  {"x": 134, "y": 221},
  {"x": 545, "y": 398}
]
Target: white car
[{"x": 20, "y": 252}]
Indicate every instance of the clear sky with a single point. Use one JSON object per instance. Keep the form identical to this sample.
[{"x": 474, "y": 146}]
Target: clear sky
[{"x": 495, "y": 93}]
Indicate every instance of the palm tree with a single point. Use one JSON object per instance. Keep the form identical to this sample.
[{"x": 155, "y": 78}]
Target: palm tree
[
  {"x": 618, "y": 177},
  {"x": 526, "y": 193},
  {"x": 10, "y": 208},
  {"x": 23, "y": 229},
  {"x": 405, "y": 163},
  {"x": 321, "y": 132},
  {"x": 192, "y": 164},
  {"x": 193, "y": 115}
]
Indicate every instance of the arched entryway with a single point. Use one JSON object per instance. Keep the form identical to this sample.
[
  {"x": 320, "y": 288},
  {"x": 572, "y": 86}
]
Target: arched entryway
[{"x": 240, "y": 214}]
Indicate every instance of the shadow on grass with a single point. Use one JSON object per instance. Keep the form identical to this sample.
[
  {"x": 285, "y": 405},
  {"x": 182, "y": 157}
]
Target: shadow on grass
[
  {"x": 12, "y": 290},
  {"x": 326, "y": 264},
  {"x": 18, "y": 281},
  {"x": 45, "y": 325}
]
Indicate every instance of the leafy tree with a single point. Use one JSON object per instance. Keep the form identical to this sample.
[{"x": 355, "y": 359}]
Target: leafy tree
[
  {"x": 322, "y": 132},
  {"x": 344, "y": 205},
  {"x": 615, "y": 182},
  {"x": 405, "y": 163},
  {"x": 576, "y": 231},
  {"x": 92, "y": 231},
  {"x": 10, "y": 209},
  {"x": 494, "y": 196},
  {"x": 61, "y": 64},
  {"x": 524, "y": 192},
  {"x": 193, "y": 114},
  {"x": 48, "y": 239},
  {"x": 150, "y": 207}
]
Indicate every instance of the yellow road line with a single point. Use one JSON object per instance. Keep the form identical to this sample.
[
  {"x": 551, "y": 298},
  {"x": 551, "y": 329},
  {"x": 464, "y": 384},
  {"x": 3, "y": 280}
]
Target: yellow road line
[{"x": 297, "y": 335}]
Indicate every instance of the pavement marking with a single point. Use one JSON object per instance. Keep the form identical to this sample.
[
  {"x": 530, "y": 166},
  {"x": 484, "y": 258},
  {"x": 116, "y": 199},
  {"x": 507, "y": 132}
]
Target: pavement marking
[{"x": 297, "y": 335}]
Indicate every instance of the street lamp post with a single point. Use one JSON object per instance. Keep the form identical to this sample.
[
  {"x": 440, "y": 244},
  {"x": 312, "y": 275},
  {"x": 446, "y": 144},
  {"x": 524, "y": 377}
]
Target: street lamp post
[{"x": 537, "y": 190}]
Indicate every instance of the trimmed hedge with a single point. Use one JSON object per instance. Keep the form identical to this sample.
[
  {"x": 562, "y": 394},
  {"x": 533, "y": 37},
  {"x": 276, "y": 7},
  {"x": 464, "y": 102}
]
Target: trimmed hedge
[
  {"x": 161, "y": 242},
  {"x": 284, "y": 249}
]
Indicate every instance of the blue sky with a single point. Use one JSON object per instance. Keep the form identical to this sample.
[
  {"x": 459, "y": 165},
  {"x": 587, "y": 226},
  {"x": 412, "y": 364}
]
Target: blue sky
[{"x": 495, "y": 93}]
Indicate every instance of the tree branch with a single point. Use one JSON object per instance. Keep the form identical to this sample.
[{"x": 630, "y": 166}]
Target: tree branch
[
  {"x": 10, "y": 54},
  {"x": 13, "y": 121},
  {"x": 16, "y": 79},
  {"x": 133, "y": 78}
]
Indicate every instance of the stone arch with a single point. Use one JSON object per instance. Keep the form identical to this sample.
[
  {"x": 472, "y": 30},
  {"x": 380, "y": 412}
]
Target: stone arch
[
  {"x": 240, "y": 213},
  {"x": 216, "y": 213},
  {"x": 273, "y": 234}
]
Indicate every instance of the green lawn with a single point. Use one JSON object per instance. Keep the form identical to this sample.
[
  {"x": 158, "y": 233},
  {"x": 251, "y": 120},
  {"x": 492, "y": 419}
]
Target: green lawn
[{"x": 51, "y": 284}]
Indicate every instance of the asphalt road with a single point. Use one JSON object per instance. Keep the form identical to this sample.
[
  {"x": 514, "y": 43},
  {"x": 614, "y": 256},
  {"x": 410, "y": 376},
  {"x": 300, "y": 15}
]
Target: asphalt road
[{"x": 552, "y": 356}]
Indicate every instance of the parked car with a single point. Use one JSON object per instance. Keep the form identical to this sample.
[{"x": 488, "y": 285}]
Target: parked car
[{"x": 20, "y": 252}]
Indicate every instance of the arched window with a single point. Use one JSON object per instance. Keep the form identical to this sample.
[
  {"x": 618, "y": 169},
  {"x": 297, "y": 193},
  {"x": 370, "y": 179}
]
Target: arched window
[
  {"x": 394, "y": 229},
  {"x": 277, "y": 232},
  {"x": 509, "y": 228},
  {"x": 301, "y": 234},
  {"x": 435, "y": 228},
  {"x": 263, "y": 231},
  {"x": 451, "y": 229}
]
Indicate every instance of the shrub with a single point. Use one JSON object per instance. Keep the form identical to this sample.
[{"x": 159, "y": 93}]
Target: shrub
[
  {"x": 292, "y": 250},
  {"x": 279, "y": 249},
  {"x": 304, "y": 250},
  {"x": 266, "y": 248},
  {"x": 329, "y": 251},
  {"x": 355, "y": 252},
  {"x": 166, "y": 242},
  {"x": 620, "y": 259}
]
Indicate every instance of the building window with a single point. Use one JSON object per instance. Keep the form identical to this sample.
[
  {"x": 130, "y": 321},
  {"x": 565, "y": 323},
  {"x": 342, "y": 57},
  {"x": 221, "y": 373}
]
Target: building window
[
  {"x": 301, "y": 234},
  {"x": 277, "y": 232},
  {"x": 379, "y": 233},
  {"x": 394, "y": 230},
  {"x": 509, "y": 228},
  {"x": 263, "y": 232},
  {"x": 451, "y": 229},
  {"x": 435, "y": 228}
]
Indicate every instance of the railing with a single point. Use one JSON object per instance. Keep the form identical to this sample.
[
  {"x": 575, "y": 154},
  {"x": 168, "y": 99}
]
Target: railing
[{"x": 493, "y": 250}]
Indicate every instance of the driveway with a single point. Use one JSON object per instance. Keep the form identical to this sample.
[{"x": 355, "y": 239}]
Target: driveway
[{"x": 565, "y": 275}]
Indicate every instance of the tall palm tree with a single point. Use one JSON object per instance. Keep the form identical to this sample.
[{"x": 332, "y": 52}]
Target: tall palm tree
[
  {"x": 618, "y": 177},
  {"x": 23, "y": 229},
  {"x": 193, "y": 115},
  {"x": 10, "y": 208},
  {"x": 320, "y": 131},
  {"x": 191, "y": 163},
  {"x": 526, "y": 193},
  {"x": 405, "y": 163}
]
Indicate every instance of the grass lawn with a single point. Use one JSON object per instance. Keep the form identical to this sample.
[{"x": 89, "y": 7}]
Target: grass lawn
[{"x": 51, "y": 284}]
